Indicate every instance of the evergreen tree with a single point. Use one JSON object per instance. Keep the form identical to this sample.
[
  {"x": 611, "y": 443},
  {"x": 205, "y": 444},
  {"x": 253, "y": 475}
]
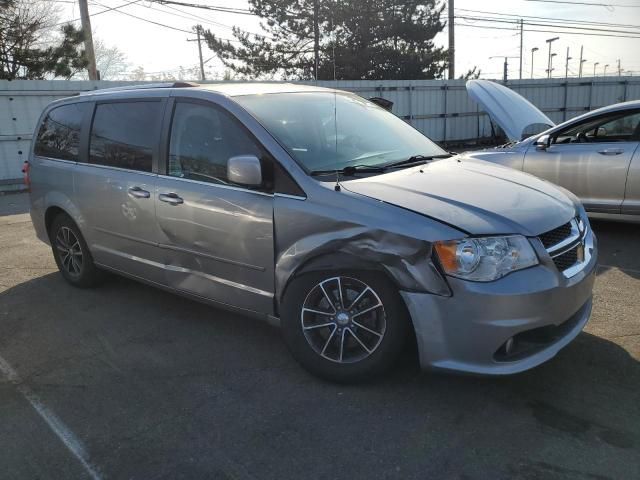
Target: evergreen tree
[
  {"x": 27, "y": 52},
  {"x": 357, "y": 40}
]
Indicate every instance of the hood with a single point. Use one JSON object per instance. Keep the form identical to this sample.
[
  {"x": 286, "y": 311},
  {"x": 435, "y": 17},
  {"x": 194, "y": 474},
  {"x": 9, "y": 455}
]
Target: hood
[
  {"x": 511, "y": 111},
  {"x": 477, "y": 197}
]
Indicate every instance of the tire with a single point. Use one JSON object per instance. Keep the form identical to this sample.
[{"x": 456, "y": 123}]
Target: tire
[
  {"x": 72, "y": 254},
  {"x": 346, "y": 341}
]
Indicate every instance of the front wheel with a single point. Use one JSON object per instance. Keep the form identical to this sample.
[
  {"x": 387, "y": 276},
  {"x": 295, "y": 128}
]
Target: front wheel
[{"x": 344, "y": 327}]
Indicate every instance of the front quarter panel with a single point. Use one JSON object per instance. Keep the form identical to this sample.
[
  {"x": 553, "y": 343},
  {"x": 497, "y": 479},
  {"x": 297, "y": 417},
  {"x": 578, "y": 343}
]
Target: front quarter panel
[{"x": 374, "y": 234}]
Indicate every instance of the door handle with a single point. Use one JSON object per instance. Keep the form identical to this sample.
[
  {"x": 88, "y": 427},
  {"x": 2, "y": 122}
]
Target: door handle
[
  {"x": 611, "y": 151},
  {"x": 171, "y": 198},
  {"x": 137, "y": 192}
]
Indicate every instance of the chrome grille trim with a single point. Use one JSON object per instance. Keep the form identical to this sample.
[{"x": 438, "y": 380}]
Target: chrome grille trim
[
  {"x": 579, "y": 238},
  {"x": 561, "y": 247}
]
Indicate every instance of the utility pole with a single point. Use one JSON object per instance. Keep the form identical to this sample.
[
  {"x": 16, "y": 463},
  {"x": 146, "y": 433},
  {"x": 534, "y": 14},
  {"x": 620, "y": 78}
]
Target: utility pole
[
  {"x": 506, "y": 69},
  {"x": 198, "y": 29},
  {"x": 551, "y": 64},
  {"x": 88, "y": 39},
  {"x": 594, "y": 68},
  {"x": 581, "y": 62},
  {"x": 550, "y": 41},
  {"x": 505, "y": 66},
  {"x": 566, "y": 66},
  {"x": 533, "y": 50},
  {"x": 452, "y": 42},
  {"x": 619, "y": 69},
  {"x": 316, "y": 38},
  {"x": 521, "y": 36}
]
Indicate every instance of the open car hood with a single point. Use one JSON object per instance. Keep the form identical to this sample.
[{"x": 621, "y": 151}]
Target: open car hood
[{"x": 512, "y": 112}]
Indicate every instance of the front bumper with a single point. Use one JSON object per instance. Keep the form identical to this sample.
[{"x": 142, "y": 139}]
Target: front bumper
[{"x": 539, "y": 307}]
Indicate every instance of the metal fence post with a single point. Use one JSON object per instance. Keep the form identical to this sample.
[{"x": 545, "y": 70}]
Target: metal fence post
[
  {"x": 444, "y": 115},
  {"x": 410, "y": 94},
  {"x": 566, "y": 94}
]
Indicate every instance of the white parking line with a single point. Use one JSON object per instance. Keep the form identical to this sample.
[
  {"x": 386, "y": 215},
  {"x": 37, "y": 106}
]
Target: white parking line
[{"x": 65, "y": 435}]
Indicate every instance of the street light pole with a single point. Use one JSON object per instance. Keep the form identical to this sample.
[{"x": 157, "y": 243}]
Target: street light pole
[
  {"x": 594, "y": 68},
  {"x": 533, "y": 50},
  {"x": 605, "y": 70},
  {"x": 550, "y": 41}
]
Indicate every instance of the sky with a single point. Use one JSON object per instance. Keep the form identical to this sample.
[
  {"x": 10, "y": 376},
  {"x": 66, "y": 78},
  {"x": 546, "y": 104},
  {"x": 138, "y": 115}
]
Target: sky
[{"x": 158, "y": 49}]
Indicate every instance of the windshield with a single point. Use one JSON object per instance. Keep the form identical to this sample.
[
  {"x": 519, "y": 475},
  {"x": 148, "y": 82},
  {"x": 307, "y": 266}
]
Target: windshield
[{"x": 326, "y": 131}]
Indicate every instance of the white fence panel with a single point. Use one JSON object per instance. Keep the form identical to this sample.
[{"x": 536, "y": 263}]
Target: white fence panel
[{"x": 441, "y": 109}]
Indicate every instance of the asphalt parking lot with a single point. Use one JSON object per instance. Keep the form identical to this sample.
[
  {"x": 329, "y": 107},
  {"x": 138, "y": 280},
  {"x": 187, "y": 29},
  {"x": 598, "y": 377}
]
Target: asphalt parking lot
[{"x": 126, "y": 381}]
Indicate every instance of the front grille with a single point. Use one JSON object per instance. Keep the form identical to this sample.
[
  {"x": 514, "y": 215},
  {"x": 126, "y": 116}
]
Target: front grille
[
  {"x": 555, "y": 236},
  {"x": 566, "y": 246},
  {"x": 567, "y": 259}
]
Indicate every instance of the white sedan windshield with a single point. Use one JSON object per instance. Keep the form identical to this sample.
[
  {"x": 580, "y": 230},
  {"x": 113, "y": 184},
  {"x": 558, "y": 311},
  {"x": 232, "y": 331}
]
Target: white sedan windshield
[{"x": 325, "y": 130}]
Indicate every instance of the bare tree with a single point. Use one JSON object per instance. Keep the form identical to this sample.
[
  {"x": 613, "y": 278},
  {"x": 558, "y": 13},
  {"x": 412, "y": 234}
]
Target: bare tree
[{"x": 111, "y": 62}]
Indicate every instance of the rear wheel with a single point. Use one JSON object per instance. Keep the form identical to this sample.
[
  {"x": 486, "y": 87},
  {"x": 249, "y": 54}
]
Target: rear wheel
[
  {"x": 344, "y": 327},
  {"x": 72, "y": 254}
]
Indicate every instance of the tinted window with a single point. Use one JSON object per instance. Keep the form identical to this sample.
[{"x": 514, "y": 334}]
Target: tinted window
[
  {"x": 123, "y": 134},
  {"x": 203, "y": 138},
  {"x": 59, "y": 135}
]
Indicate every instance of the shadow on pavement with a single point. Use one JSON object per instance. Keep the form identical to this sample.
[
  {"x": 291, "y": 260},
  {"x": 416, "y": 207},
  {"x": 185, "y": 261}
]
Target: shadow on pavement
[
  {"x": 14, "y": 203},
  {"x": 169, "y": 380},
  {"x": 617, "y": 244}
]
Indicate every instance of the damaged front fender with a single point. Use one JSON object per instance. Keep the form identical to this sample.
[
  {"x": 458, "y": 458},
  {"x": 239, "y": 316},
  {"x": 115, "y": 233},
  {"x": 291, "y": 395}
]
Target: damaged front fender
[{"x": 307, "y": 239}]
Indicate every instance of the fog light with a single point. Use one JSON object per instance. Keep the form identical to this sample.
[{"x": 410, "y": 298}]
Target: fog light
[{"x": 508, "y": 346}]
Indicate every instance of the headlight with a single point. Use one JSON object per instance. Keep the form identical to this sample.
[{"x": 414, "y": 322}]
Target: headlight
[{"x": 486, "y": 258}]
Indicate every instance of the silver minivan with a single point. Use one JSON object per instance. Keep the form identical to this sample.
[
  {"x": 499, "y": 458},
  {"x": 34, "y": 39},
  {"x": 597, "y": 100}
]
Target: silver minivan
[{"x": 320, "y": 210}]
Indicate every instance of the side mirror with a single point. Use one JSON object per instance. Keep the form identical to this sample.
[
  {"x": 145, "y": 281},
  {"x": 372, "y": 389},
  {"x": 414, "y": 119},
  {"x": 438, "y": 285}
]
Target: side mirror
[
  {"x": 543, "y": 142},
  {"x": 244, "y": 170}
]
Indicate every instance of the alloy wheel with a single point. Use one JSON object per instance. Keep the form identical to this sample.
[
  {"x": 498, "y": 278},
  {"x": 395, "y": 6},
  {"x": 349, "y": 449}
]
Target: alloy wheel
[
  {"x": 343, "y": 319},
  {"x": 69, "y": 251}
]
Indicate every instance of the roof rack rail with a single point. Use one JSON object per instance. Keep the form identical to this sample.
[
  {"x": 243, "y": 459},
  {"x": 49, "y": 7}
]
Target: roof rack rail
[{"x": 143, "y": 86}]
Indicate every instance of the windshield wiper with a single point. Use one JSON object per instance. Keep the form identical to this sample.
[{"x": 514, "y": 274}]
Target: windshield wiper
[
  {"x": 353, "y": 169},
  {"x": 350, "y": 170},
  {"x": 416, "y": 159}
]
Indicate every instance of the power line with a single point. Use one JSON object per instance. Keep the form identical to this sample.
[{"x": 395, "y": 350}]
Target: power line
[
  {"x": 556, "y": 20},
  {"x": 191, "y": 16},
  {"x": 564, "y": 32},
  {"x": 571, "y": 27},
  {"x": 215, "y": 8},
  {"x": 566, "y": 2},
  {"x": 146, "y": 20},
  {"x": 107, "y": 9}
]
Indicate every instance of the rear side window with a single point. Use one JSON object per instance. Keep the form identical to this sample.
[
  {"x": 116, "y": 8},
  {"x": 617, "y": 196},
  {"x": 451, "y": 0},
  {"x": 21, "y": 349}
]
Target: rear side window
[
  {"x": 123, "y": 134},
  {"x": 59, "y": 134}
]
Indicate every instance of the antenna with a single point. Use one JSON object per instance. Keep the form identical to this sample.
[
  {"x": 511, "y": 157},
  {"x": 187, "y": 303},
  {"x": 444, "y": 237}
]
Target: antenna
[{"x": 335, "y": 123}]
